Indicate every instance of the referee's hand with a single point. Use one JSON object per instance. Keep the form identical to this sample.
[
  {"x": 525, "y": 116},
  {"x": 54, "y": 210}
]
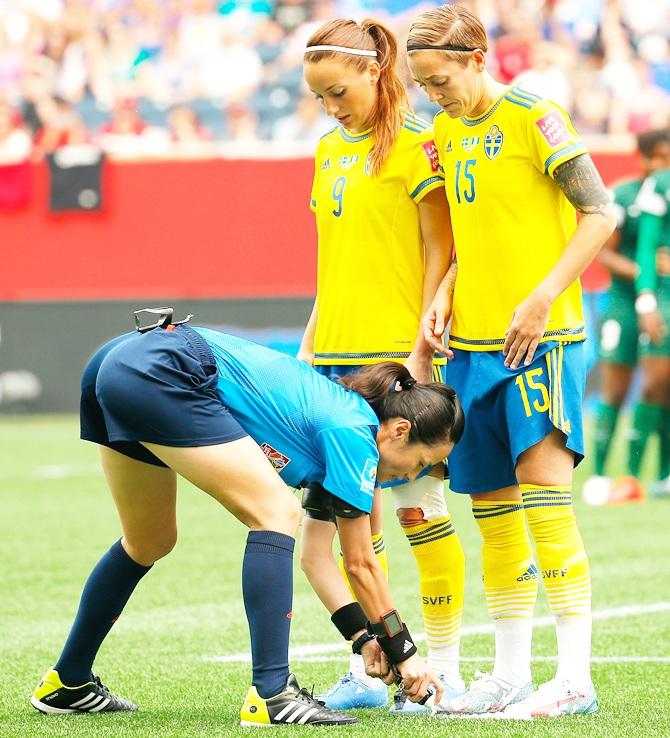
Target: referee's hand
[
  {"x": 374, "y": 659},
  {"x": 416, "y": 677}
]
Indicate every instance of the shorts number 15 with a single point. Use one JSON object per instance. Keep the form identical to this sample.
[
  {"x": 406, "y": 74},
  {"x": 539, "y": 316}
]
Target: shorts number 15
[{"x": 540, "y": 404}]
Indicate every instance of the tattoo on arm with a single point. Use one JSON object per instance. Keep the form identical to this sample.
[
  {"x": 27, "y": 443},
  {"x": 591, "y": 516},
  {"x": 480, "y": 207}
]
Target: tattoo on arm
[
  {"x": 581, "y": 184},
  {"x": 450, "y": 277}
]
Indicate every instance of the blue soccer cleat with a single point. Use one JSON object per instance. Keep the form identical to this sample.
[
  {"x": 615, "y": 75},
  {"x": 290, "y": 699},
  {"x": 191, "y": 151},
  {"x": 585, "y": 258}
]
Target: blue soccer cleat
[{"x": 349, "y": 693}]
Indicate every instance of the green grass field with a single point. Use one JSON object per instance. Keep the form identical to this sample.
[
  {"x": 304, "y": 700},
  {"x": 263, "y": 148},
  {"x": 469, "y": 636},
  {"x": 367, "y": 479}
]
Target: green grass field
[{"x": 57, "y": 519}]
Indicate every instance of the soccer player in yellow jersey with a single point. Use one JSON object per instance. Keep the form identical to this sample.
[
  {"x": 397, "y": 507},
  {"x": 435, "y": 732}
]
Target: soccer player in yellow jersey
[
  {"x": 515, "y": 172},
  {"x": 384, "y": 245}
]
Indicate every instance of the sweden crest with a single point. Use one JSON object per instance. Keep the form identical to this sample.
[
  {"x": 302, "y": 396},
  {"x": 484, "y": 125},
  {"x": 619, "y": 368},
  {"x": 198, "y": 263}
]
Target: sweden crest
[{"x": 493, "y": 142}]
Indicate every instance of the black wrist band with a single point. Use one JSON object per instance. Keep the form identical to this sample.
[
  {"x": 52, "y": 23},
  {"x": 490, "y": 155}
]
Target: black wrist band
[
  {"x": 376, "y": 629},
  {"x": 362, "y": 639},
  {"x": 399, "y": 647},
  {"x": 349, "y": 620}
]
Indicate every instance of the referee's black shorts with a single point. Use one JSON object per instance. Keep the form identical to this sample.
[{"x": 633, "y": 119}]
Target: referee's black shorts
[{"x": 158, "y": 387}]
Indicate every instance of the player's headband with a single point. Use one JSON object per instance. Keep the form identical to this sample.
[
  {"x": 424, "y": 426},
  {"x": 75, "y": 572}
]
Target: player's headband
[
  {"x": 341, "y": 49},
  {"x": 439, "y": 47}
]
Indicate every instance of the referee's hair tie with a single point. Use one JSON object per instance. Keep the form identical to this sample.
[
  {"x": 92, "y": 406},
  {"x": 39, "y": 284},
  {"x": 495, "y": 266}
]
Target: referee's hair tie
[{"x": 404, "y": 384}]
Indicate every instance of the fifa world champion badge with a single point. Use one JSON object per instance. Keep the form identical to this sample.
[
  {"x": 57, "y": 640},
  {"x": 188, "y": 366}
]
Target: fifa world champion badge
[{"x": 493, "y": 142}]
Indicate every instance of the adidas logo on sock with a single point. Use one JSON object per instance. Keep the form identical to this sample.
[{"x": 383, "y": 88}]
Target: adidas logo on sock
[
  {"x": 530, "y": 573},
  {"x": 407, "y": 646}
]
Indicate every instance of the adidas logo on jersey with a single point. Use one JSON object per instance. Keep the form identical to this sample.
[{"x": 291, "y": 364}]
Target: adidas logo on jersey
[
  {"x": 325, "y": 165},
  {"x": 530, "y": 573}
]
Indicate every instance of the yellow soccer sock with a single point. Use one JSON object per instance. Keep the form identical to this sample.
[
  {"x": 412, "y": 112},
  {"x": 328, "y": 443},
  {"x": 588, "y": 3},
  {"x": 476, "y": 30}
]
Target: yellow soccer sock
[
  {"x": 380, "y": 552},
  {"x": 510, "y": 584},
  {"x": 439, "y": 558},
  {"x": 356, "y": 665},
  {"x": 565, "y": 572}
]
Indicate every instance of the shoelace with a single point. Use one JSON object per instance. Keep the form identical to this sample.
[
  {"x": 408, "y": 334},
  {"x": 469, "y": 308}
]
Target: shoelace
[
  {"x": 309, "y": 697},
  {"x": 105, "y": 690},
  {"x": 343, "y": 681}
]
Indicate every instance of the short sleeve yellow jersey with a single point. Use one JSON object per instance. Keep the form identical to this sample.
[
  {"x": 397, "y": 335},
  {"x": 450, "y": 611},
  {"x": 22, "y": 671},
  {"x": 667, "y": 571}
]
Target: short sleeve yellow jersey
[
  {"x": 511, "y": 221},
  {"x": 371, "y": 254}
]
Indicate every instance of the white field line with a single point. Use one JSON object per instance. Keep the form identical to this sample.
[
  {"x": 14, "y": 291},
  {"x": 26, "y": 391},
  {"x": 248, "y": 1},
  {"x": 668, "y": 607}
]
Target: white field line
[{"x": 316, "y": 652}]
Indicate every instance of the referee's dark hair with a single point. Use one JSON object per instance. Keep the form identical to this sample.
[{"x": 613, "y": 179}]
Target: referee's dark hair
[{"x": 433, "y": 409}]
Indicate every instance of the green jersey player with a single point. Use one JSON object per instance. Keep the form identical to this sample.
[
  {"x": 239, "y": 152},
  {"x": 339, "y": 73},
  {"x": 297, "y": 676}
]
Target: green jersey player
[
  {"x": 621, "y": 344},
  {"x": 652, "y": 305}
]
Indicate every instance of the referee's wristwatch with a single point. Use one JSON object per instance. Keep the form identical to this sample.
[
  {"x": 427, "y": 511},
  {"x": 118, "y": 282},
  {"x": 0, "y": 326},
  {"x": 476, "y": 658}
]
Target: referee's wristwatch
[
  {"x": 390, "y": 625},
  {"x": 393, "y": 637}
]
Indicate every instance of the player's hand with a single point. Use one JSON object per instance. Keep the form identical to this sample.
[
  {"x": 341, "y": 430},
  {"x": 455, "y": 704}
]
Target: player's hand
[
  {"x": 306, "y": 356},
  {"x": 416, "y": 677},
  {"x": 528, "y": 325},
  {"x": 435, "y": 321},
  {"x": 375, "y": 661},
  {"x": 663, "y": 261},
  {"x": 652, "y": 324}
]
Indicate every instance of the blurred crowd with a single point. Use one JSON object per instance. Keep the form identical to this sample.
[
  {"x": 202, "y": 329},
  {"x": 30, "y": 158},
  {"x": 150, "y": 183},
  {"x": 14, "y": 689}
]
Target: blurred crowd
[{"x": 142, "y": 77}]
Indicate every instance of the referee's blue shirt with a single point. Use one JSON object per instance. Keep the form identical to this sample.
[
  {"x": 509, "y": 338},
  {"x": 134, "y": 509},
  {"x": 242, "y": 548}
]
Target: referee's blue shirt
[{"x": 310, "y": 428}]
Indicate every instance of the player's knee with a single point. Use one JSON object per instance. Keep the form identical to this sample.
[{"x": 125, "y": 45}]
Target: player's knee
[
  {"x": 310, "y": 561},
  {"x": 653, "y": 392},
  {"x": 410, "y": 516},
  {"x": 150, "y": 550},
  {"x": 614, "y": 396}
]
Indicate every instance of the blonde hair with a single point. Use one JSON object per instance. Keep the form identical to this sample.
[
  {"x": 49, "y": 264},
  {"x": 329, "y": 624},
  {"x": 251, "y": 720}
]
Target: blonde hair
[
  {"x": 448, "y": 24},
  {"x": 392, "y": 99}
]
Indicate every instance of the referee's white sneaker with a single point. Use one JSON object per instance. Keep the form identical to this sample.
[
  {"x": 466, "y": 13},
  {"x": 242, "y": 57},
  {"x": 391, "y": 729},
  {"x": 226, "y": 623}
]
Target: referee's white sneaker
[{"x": 555, "y": 698}]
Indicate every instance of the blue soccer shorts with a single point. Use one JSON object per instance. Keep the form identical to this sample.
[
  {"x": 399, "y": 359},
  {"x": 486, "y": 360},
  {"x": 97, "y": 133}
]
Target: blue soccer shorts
[
  {"x": 158, "y": 387},
  {"x": 507, "y": 411}
]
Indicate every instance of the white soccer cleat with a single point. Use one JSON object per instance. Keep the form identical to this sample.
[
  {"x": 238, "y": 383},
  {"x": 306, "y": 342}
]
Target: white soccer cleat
[
  {"x": 661, "y": 488},
  {"x": 596, "y": 490},
  {"x": 487, "y": 694},
  {"x": 554, "y": 698}
]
